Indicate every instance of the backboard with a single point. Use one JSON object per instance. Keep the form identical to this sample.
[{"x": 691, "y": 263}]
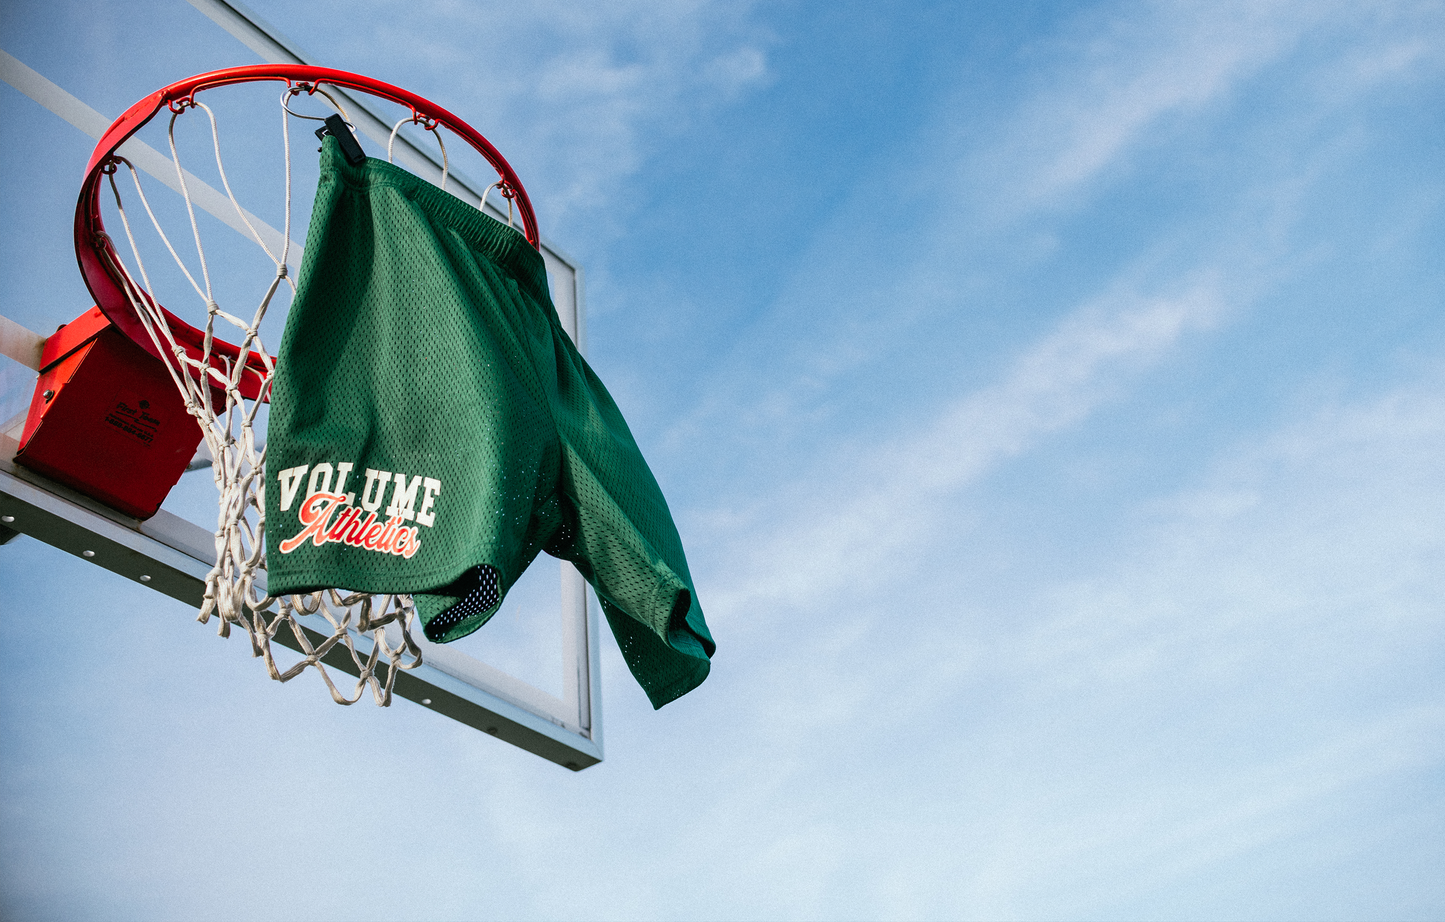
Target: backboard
[{"x": 68, "y": 69}]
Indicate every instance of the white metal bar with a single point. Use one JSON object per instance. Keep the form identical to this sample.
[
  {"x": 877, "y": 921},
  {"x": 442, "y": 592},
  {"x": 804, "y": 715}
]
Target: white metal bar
[
  {"x": 146, "y": 158},
  {"x": 20, "y": 344},
  {"x": 170, "y": 555}
]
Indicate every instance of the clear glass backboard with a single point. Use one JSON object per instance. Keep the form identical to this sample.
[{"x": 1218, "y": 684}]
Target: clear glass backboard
[{"x": 531, "y": 676}]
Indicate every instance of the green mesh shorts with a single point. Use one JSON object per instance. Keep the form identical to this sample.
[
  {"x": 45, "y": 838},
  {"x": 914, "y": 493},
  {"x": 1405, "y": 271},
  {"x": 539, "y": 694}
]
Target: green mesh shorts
[{"x": 433, "y": 428}]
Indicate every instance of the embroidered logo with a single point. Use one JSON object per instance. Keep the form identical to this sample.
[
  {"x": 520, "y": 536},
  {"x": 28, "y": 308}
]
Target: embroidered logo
[{"x": 329, "y": 515}]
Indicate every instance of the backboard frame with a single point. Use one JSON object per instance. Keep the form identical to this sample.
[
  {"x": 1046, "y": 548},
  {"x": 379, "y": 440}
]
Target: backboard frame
[{"x": 172, "y": 555}]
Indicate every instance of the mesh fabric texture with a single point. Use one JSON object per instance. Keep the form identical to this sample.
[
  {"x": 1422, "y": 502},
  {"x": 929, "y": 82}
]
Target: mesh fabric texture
[{"x": 423, "y": 345}]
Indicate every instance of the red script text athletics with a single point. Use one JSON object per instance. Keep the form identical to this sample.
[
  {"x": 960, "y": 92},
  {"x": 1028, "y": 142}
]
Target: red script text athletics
[{"x": 350, "y": 528}]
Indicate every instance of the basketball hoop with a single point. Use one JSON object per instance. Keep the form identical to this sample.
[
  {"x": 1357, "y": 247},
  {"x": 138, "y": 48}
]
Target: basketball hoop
[{"x": 225, "y": 385}]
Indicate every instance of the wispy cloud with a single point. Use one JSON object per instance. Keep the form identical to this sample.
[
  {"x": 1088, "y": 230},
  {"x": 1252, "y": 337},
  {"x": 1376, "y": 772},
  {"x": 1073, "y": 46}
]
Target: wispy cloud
[
  {"x": 1210, "y": 683},
  {"x": 1242, "y": 680},
  {"x": 576, "y": 95},
  {"x": 1257, "y": 645},
  {"x": 968, "y": 219},
  {"x": 1239, "y": 672},
  {"x": 1129, "y": 75},
  {"x": 845, "y": 333},
  {"x": 890, "y": 502}
]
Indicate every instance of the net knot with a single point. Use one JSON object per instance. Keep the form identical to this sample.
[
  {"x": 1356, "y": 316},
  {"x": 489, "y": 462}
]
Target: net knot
[
  {"x": 212, "y": 307},
  {"x": 281, "y": 271}
]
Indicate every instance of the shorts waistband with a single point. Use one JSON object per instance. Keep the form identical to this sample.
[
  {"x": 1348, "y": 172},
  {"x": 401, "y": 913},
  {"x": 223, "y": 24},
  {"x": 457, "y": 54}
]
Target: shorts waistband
[{"x": 505, "y": 246}]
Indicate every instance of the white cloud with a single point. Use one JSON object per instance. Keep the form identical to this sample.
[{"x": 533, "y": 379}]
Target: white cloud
[
  {"x": 1238, "y": 690},
  {"x": 884, "y": 507},
  {"x": 1259, "y": 652},
  {"x": 1138, "y": 71},
  {"x": 968, "y": 219},
  {"x": 1235, "y": 701},
  {"x": 1130, "y": 77},
  {"x": 1339, "y": 515},
  {"x": 1238, "y": 686},
  {"x": 576, "y": 95},
  {"x": 850, "y": 315}
]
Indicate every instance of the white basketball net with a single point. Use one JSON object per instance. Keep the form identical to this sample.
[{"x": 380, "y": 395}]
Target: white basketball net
[{"x": 235, "y": 587}]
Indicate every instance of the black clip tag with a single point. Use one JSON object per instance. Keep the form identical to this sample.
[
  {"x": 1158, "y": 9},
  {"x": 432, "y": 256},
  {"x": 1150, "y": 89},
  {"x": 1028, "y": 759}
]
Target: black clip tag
[{"x": 336, "y": 127}]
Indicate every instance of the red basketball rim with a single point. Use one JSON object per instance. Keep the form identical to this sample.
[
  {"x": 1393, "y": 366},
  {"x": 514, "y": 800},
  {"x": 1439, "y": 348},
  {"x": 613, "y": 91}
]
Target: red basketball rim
[{"x": 96, "y": 254}]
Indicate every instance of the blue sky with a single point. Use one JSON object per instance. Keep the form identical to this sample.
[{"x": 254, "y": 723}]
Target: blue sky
[{"x": 1052, "y": 402}]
